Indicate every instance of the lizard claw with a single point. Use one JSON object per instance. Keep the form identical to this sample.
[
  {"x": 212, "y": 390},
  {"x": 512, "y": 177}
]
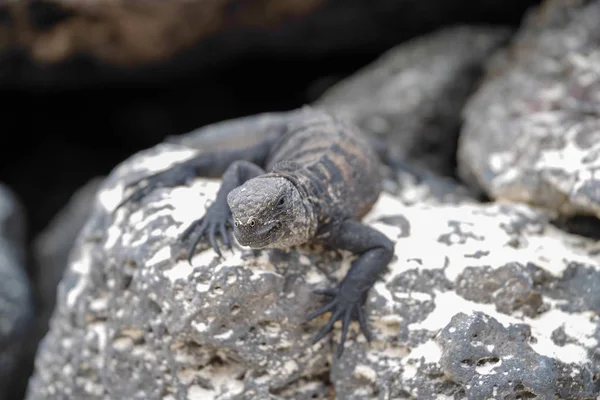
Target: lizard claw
[
  {"x": 342, "y": 308},
  {"x": 177, "y": 175},
  {"x": 213, "y": 222}
]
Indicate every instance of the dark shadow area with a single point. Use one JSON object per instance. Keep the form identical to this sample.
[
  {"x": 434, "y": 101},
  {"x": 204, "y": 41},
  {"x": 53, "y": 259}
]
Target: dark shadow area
[{"x": 583, "y": 225}]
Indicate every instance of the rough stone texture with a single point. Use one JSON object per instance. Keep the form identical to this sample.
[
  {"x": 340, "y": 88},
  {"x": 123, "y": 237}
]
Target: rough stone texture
[
  {"x": 52, "y": 246},
  {"x": 480, "y": 300},
  {"x": 532, "y": 130},
  {"x": 61, "y": 42},
  {"x": 411, "y": 97},
  {"x": 16, "y": 309}
]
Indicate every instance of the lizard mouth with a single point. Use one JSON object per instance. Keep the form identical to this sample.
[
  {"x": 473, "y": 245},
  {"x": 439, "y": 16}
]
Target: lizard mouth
[{"x": 259, "y": 238}]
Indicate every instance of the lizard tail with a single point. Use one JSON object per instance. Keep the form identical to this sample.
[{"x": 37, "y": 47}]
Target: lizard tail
[{"x": 239, "y": 132}]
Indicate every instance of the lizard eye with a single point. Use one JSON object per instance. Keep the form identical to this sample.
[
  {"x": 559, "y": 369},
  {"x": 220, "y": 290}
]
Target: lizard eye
[
  {"x": 252, "y": 222},
  {"x": 281, "y": 201}
]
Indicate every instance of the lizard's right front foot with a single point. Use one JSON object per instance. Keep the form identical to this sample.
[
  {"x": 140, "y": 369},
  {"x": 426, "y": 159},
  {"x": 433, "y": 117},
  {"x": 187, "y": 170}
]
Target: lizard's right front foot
[
  {"x": 214, "y": 221},
  {"x": 177, "y": 175}
]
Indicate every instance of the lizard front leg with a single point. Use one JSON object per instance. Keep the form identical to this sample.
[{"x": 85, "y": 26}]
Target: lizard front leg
[
  {"x": 218, "y": 215},
  {"x": 348, "y": 298}
]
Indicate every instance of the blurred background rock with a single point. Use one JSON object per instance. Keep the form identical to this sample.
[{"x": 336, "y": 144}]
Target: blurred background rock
[{"x": 87, "y": 83}]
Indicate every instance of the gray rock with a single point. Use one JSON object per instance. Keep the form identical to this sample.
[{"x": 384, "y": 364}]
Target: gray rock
[
  {"x": 134, "y": 320},
  {"x": 16, "y": 308},
  {"x": 411, "y": 97},
  {"x": 532, "y": 130},
  {"x": 52, "y": 246}
]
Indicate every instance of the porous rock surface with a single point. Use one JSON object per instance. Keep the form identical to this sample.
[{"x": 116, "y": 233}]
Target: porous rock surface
[
  {"x": 532, "y": 130},
  {"x": 16, "y": 308},
  {"x": 412, "y": 95},
  {"x": 480, "y": 301}
]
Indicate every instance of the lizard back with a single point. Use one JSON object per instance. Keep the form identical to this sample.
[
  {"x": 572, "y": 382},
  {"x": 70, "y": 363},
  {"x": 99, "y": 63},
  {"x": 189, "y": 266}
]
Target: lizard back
[{"x": 333, "y": 162}]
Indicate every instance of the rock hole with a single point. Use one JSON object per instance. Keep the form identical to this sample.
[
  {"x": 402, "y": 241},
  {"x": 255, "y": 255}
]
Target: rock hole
[
  {"x": 154, "y": 307},
  {"x": 487, "y": 360},
  {"x": 126, "y": 282},
  {"x": 251, "y": 329},
  {"x": 216, "y": 361},
  {"x": 466, "y": 363},
  {"x": 485, "y": 365},
  {"x": 521, "y": 392},
  {"x": 526, "y": 395}
]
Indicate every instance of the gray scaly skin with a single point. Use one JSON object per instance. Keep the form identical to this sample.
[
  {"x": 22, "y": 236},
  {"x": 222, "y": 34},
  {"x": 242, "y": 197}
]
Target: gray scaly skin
[{"x": 310, "y": 180}]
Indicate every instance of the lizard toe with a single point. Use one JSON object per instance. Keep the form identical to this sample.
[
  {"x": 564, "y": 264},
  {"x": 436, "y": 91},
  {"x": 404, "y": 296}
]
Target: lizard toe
[
  {"x": 335, "y": 315},
  {"x": 327, "y": 292},
  {"x": 345, "y": 324},
  {"x": 198, "y": 228},
  {"x": 212, "y": 238},
  {"x": 362, "y": 321},
  {"x": 225, "y": 235},
  {"x": 328, "y": 307},
  {"x": 213, "y": 223},
  {"x": 176, "y": 176},
  {"x": 345, "y": 308}
]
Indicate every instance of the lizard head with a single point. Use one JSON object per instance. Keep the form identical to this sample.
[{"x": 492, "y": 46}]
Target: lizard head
[{"x": 270, "y": 212}]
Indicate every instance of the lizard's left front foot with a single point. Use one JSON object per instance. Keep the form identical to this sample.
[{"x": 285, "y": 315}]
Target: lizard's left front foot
[
  {"x": 346, "y": 307},
  {"x": 216, "y": 220}
]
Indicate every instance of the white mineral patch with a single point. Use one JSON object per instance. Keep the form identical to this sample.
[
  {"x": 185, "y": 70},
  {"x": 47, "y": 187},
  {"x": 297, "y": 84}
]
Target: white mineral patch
[
  {"x": 163, "y": 159},
  {"x": 500, "y": 161},
  {"x": 224, "y": 336},
  {"x": 99, "y": 304},
  {"x": 113, "y": 234},
  {"x": 162, "y": 255},
  {"x": 223, "y": 380},
  {"x": 313, "y": 276},
  {"x": 290, "y": 366},
  {"x": 579, "y": 325},
  {"x": 180, "y": 270},
  {"x": 488, "y": 368},
  {"x": 99, "y": 331},
  {"x": 428, "y": 351},
  {"x": 122, "y": 344},
  {"x": 109, "y": 198},
  {"x": 82, "y": 267},
  {"x": 366, "y": 372},
  {"x": 199, "y": 326},
  {"x": 567, "y": 159},
  {"x": 190, "y": 202},
  {"x": 205, "y": 257},
  {"x": 202, "y": 287}
]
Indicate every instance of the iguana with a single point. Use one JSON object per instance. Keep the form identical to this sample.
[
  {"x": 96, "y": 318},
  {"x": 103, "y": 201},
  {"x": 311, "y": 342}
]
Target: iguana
[{"x": 311, "y": 179}]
